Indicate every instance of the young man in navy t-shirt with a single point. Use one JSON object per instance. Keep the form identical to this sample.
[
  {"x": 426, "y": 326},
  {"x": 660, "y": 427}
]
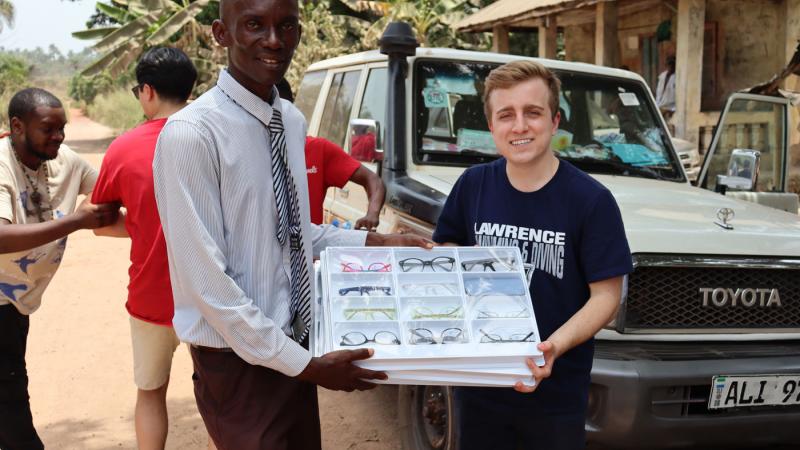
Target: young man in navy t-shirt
[{"x": 568, "y": 226}]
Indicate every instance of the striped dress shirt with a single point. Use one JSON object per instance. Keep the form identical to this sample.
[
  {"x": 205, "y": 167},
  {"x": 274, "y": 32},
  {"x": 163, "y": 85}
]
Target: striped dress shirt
[{"x": 213, "y": 184}]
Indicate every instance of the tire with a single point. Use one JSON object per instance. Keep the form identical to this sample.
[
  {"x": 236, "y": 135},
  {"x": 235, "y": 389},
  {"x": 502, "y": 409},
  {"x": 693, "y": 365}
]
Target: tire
[{"x": 426, "y": 417}]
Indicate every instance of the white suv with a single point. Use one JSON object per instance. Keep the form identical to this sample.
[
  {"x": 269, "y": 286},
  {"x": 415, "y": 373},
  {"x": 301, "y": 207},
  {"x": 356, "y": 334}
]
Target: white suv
[{"x": 712, "y": 310}]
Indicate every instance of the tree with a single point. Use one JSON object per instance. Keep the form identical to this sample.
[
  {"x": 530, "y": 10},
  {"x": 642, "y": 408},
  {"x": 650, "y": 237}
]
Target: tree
[
  {"x": 133, "y": 26},
  {"x": 6, "y": 13},
  {"x": 324, "y": 36},
  {"x": 14, "y": 73},
  {"x": 431, "y": 20}
]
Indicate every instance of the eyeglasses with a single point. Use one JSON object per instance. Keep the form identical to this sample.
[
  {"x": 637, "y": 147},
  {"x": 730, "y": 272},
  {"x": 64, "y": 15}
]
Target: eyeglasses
[
  {"x": 136, "y": 90},
  {"x": 495, "y": 338},
  {"x": 355, "y": 338},
  {"x": 374, "y": 267},
  {"x": 366, "y": 290},
  {"x": 521, "y": 314},
  {"x": 422, "y": 312},
  {"x": 430, "y": 289},
  {"x": 488, "y": 286},
  {"x": 426, "y": 336},
  {"x": 369, "y": 313},
  {"x": 488, "y": 264},
  {"x": 438, "y": 264}
]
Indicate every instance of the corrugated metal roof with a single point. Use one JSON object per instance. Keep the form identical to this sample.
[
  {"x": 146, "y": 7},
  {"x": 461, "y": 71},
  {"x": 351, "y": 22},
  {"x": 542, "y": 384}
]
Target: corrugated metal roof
[{"x": 509, "y": 11}]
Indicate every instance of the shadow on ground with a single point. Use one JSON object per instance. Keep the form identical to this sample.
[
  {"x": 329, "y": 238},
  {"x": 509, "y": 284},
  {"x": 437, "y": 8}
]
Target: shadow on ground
[{"x": 185, "y": 427}]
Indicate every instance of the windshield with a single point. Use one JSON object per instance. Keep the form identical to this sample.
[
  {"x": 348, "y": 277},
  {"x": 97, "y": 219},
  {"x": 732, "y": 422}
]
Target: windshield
[{"x": 607, "y": 125}]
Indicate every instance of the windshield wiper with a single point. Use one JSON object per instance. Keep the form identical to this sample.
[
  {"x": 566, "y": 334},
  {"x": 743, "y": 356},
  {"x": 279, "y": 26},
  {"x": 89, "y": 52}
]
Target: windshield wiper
[{"x": 618, "y": 168}]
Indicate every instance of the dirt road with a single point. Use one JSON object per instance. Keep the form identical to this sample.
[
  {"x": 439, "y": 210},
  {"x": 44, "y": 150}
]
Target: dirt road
[{"x": 79, "y": 361}]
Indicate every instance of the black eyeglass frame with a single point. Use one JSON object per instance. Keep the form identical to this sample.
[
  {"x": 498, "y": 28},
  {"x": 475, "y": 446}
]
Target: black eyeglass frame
[
  {"x": 487, "y": 263},
  {"x": 395, "y": 340},
  {"x": 497, "y": 339},
  {"x": 459, "y": 337},
  {"x": 427, "y": 262},
  {"x": 387, "y": 290},
  {"x": 137, "y": 90}
]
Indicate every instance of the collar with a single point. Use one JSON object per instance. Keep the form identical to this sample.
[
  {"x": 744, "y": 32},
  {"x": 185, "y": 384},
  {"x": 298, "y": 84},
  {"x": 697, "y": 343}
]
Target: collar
[{"x": 248, "y": 101}]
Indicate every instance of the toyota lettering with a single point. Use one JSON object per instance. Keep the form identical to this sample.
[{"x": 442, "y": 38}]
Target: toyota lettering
[{"x": 748, "y": 297}]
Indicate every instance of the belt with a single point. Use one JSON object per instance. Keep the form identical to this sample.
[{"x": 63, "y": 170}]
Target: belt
[{"x": 212, "y": 349}]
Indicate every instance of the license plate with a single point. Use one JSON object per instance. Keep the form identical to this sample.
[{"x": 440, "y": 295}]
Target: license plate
[{"x": 754, "y": 390}]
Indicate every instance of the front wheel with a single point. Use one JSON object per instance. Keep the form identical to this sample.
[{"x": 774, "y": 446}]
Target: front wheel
[{"x": 427, "y": 417}]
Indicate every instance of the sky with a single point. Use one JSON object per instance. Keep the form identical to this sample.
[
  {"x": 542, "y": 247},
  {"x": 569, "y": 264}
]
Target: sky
[{"x": 39, "y": 23}]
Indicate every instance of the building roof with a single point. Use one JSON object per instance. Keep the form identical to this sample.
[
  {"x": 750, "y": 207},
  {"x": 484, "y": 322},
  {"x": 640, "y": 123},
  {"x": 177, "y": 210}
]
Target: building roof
[{"x": 510, "y": 11}]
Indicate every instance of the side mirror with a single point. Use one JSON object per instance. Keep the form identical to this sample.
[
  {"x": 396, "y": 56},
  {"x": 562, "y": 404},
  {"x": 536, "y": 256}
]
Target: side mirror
[
  {"x": 365, "y": 140},
  {"x": 742, "y": 173}
]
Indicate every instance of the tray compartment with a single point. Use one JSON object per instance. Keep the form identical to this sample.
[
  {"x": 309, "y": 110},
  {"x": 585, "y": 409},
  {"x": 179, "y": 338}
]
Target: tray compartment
[
  {"x": 426, "y": 261},
  {"x": 364, "y": 309},
  {"x": 431, "y": 308},
  {"x": 364, "y": 260},
  {"x": 436, "y": 332},
  {"x": 488, "y": 260},
  {"x": 362, "y": 285},
  {"x": 367, "y": 334},
  {"x": 428, "y": 284},
  {"x": 504, "y": 331}
]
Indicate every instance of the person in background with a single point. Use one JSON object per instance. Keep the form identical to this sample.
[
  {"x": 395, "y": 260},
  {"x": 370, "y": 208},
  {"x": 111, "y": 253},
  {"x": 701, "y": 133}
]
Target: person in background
[
  {"x": 164, "y": 81},
  {"x": 40, "y": 180},
  {"x": 328, "y": 165},
  {"x": 665, "y": 90}
]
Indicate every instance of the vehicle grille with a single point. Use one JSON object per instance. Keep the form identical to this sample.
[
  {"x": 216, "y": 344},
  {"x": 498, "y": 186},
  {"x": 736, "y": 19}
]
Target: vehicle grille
[{"x": 663, "y": 297}]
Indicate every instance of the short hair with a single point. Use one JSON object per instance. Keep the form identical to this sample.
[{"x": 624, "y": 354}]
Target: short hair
[
  {"x": 25, "y": 102},
  {"x": 169, "y": 71},
  {"x": 516, "y": 72},
  {"x": 285, "y": 90}
]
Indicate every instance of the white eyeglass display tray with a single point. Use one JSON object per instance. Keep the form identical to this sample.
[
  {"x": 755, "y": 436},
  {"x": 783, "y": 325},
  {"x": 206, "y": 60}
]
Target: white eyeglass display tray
[
  {"x": 501, "y": 371},
  {"x": 478, "y": 290}
]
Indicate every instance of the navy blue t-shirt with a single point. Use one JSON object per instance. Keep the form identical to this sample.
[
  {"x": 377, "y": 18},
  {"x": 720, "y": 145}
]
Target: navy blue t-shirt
[{"x": 571, "y": 231}]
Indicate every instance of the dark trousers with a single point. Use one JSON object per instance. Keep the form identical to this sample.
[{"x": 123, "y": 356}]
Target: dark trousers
[
  {"x": 247, "y": 407},
  {"x": 484, "y": 424},
  {"x": 16, "y": 423}
]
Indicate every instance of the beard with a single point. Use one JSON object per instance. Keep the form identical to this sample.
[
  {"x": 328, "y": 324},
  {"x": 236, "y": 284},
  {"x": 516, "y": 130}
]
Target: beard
[{"x": 31, "y": 150}]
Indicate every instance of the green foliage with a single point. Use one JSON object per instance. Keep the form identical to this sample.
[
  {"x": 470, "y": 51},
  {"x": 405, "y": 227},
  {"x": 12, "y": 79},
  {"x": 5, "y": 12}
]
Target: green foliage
[
  {"x": 324, "y": 36},
  {"x": 117, "y": 109},
  {"x": 432, "y": 20},
  {"x": 13, "y": 77},
  {"x": 127, "y": 28},
  {"x": 85, "y": 89},
  {"x": 51, "y": 62},
  {"x": 13, "y": 72},
  {"x": 6, "y": 13}
]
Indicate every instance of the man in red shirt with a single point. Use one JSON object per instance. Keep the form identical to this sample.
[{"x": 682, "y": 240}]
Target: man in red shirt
[
  {"x": 328, "y": 165},
  {"x": 165, "y": 78}
]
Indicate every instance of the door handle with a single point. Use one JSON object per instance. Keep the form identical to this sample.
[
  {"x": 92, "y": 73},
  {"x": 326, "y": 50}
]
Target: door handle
[{"x": 345, "y": 192}]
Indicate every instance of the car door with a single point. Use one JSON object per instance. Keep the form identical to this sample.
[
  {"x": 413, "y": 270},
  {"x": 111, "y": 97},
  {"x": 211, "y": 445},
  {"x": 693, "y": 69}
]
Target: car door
[
  {"x": 351, "y": 201},
  {"x": 342, "y": 90},
  {"x": 753, "y": 122}
]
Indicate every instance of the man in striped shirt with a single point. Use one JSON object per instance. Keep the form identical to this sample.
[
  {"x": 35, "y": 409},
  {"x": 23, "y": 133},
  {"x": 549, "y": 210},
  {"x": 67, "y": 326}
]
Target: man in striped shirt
[{"x": 232, "y": 275}]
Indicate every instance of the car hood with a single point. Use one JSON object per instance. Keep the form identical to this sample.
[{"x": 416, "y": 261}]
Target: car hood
[{"x": 667, "y": 217}]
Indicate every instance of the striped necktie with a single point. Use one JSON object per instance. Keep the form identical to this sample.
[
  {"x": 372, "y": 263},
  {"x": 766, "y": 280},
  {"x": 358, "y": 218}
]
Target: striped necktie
[{"x": 289, "y": 226}]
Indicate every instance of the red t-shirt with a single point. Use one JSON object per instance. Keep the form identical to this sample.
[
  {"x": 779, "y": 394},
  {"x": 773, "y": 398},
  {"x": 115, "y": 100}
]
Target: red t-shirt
[
  {"x": 126, "y": 176},
  {"x": 326, "y": 165}
]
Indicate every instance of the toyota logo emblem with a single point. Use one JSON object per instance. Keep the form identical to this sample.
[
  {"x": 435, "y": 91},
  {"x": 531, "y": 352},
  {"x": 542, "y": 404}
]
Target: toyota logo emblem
[{"x": 725, "y": 215}]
